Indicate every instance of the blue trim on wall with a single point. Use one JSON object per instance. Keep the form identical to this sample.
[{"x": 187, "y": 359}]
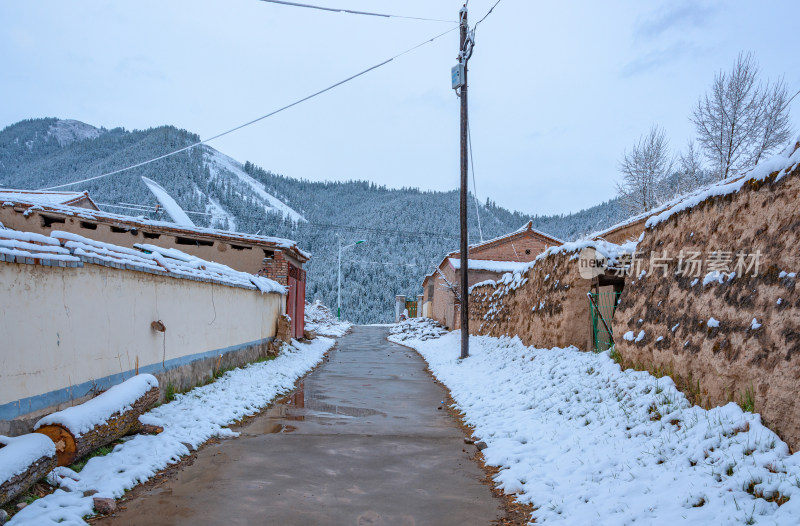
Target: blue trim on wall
[{"x": 24, "y": 406}]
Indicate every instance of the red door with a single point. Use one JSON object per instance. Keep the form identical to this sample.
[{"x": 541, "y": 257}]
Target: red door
[
  {"x": 296, "y": 301},
  {"x": 291, "y": 301}
]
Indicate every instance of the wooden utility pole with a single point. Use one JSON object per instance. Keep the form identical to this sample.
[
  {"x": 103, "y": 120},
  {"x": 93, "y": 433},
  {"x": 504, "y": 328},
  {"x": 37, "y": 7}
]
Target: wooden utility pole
[{"x": 462, "y": 59}]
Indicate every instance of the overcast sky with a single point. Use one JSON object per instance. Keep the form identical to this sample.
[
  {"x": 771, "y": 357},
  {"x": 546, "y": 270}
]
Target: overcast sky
[{"x": 557, "y": 89}]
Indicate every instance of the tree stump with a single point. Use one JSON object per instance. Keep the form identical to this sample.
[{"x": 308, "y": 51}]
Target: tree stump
[
  {"x": 27, "y": 455},
  {"x": 79, "y": 430}
]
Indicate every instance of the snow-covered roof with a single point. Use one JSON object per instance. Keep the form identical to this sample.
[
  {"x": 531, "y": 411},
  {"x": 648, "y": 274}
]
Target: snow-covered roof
[
  {"x": 527, "y": 227},
  {"x": 492, "y": 266},
  {"x": 32, "y": 204},
  {"x": 65, "y": 249},
  {"x": 43, "y": 197}
]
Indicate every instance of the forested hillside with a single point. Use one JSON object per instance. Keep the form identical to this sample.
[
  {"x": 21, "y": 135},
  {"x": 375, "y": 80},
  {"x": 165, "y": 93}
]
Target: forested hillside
[{"x": 407, "y": 231}]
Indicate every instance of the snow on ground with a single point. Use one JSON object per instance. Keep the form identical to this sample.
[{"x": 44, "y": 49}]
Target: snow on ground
[
  {"x": 587, "y": 443},
  {"x": 320, "y": 319},
  {"x": 188, "y": 421},
  {"x": 18, "y": 453},
  {"x": 217, "y": 161}
]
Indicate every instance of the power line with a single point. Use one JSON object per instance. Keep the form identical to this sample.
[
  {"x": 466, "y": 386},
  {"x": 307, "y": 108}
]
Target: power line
[
  {"x": 474, "y": 185},
  {"x": 199, "y": 143},
  {"x": 378, "y": 231},
  {"x": 484, "y": 16},
  {"x": 353, "y": 12},
  {"x": 372, "y": 262}
]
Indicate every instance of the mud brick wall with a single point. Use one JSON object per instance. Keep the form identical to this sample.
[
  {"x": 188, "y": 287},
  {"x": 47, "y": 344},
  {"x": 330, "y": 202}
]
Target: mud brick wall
[
  {"x": 546, "y": 306},
  {"x": 727, "y": 361}
]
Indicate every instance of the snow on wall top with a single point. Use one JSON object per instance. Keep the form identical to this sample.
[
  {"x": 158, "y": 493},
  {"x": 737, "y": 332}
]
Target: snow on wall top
[
  {"x": 611, "y": 251},
  {"x": 68, "y": 249},
  {"x": 492, "y": 266},
  {"x": 172, "y": 207},
  {"x": 182, "y": 262},
  {"x": 18, "y": 453},
  {"x": 31, "y": 247},
  {"x": 783, "y": 163},
  {"x": 217, "y": 161},
  {"x": 170, "y": 262},
  {"x": 82, "y": 418},
  {"x": 96, "y": 215}
]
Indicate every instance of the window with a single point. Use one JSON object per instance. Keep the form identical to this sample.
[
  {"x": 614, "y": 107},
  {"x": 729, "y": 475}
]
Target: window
[
  {"x": 151, "y": 235},
  {"x": 49, "y": 221},
  {"x": 88, "y": 226},
  {"x": 528, "y": 251},
  {"x": 196, "y": 242}
]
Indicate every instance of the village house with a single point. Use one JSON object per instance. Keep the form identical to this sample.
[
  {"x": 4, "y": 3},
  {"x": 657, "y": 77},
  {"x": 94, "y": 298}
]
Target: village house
[
  {"x": 278, "y": 259},
  {"x": 114, "y": 296},
  {"x": 487, "y": 261}
]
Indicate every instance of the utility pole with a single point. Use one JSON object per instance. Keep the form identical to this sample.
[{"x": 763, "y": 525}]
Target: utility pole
[{"x": 463, "y": 57}]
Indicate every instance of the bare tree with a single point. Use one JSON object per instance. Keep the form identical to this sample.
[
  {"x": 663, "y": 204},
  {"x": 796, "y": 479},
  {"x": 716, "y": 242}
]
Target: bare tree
[
  {"x": 645, "y": 172},
  {"x": 453, "y": 287},
  {"x": 740, "y": 119},
  {"x": 774, "y": 128},
  {"x": 691, "y": 174}
]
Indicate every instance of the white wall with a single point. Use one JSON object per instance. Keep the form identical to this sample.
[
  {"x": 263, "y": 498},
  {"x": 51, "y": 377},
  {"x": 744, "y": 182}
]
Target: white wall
[{"x": 61, "y": 327}]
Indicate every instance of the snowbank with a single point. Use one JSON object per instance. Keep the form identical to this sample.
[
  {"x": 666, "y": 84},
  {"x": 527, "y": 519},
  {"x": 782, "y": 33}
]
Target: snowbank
[
  {"x": 18, "y": 453},
  {"x": 82, "y": 418},
  {"x": 587, "y": 443},
  {"x": 320, "y": 319},
  {"x": 188, "y": 421},
  {"x": 416, "y": 328}
]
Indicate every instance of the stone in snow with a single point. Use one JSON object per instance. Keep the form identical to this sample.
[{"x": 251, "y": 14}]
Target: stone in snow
[{"x": 105, "y": 506}]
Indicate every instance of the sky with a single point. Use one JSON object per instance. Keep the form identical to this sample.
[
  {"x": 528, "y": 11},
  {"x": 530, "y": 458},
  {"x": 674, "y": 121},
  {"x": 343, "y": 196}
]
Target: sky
[{"x": 557, "y": 90}]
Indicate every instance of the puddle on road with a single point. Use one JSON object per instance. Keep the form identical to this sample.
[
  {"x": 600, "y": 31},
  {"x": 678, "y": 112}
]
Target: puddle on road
[{"x": 299, "y": 406}]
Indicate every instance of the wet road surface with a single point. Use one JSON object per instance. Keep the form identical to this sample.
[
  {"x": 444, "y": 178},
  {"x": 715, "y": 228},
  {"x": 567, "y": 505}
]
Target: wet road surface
[{"x": 362, "y": 442}]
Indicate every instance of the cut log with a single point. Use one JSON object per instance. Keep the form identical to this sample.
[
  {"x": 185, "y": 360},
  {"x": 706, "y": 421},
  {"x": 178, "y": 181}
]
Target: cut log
[
  {"x": 24, "y": 460},
  {"x": 79, "y": 430}
]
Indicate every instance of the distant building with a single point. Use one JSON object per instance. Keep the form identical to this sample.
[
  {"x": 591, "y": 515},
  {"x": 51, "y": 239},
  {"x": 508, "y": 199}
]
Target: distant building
[
  {"x": 487, "y": 261},
  {"x": 43, "y": 197}
]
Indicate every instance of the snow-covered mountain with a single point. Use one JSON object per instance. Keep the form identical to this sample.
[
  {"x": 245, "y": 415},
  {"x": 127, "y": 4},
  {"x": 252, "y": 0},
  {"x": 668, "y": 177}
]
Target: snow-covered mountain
[
  {"x": 67, "y": 131},
  {"x": 407, "y": 231},
  {"x": 222, "y": 166}
]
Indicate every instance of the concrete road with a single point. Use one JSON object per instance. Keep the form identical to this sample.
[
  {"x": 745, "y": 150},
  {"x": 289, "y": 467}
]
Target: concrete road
[{"x": 362, "y": 442}]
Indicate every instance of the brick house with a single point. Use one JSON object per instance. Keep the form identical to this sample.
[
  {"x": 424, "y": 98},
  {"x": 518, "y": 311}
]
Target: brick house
[{"x": 487, "y": 261}]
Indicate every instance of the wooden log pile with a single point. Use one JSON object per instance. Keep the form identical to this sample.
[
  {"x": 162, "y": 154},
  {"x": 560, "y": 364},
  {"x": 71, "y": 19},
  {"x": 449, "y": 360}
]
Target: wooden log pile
[
  {"x": 79, "y": 430},
  {"x": 23, "y": 461}
]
